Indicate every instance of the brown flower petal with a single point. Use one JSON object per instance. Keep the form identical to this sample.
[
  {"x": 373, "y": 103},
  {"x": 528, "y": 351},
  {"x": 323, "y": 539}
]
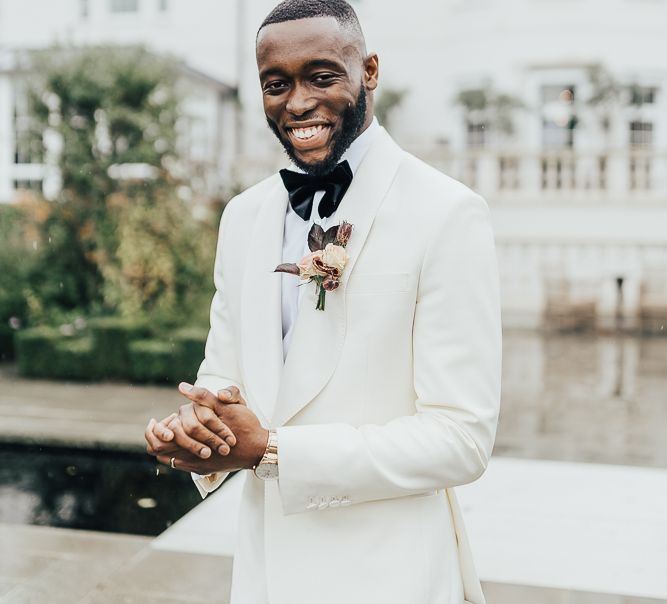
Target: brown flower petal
[
  {"x": 330, "y": 283},
  {"x": 344, "y": 232},
  {"x": 290, "y": 268},
  {"x": 316, "y": 238},
  {"x": 325, "y": 269}
]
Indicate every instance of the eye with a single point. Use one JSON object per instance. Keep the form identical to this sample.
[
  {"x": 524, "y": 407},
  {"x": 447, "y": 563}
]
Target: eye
[
  {"x": 274, "y": 86},
  {"x": 324, "y": 78}
]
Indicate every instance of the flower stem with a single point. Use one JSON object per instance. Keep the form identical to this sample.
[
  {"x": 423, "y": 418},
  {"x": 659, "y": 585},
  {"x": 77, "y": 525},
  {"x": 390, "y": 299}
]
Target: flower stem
[{"x": 321, "y": 293}]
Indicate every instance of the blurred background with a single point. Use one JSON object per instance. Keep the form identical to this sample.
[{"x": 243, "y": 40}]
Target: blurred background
[{"x": 125, "y": 127}]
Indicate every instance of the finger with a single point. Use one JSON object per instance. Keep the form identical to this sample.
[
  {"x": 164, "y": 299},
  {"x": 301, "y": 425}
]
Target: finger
[
  {"x": 199, "y": 449},
  {"x": 184, "y": 462},
  {"x": 216, "y": 426},
  {"x": 193, "y": 420},
  {"x": 154, "y": 444},
  {"x": 161, "y": 430},
  {"x": 198, "y": 395},
  {"x": 231, "y": 394}
]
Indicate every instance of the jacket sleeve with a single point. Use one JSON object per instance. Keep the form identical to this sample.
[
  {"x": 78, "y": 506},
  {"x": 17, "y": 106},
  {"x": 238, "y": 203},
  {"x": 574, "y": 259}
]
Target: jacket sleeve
[
  {"x": 220, "y": 368},
  {"x": 457, "y": 367}
]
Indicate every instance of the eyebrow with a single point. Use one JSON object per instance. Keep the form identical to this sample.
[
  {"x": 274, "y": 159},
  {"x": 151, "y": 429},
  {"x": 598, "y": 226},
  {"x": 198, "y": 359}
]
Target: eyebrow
[{"x": 315, "y": 63}]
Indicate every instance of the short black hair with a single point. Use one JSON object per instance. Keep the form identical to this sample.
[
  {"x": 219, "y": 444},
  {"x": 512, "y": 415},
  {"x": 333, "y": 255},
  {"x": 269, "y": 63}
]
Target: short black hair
[{"x": 292, "y": 10}]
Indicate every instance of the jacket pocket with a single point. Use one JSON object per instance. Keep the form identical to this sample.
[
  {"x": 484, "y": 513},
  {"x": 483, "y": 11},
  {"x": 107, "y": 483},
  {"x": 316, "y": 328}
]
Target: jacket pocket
[{"x": 377, "y": 283}]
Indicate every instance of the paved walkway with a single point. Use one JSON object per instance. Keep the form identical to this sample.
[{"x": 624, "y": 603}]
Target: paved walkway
[
  {"x": 43, "y": 565},
  {"x": 107, "y": 415}
]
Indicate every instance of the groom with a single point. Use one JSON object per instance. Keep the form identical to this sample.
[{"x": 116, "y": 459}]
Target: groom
[{"x": 353, "y": 422}]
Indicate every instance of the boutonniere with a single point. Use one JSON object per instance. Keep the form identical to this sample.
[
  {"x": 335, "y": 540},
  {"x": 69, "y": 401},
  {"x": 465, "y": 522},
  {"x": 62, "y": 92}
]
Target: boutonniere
[{"x": 326, "y": 262}]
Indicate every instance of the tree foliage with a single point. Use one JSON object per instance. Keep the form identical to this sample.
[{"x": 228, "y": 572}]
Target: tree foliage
[{"x": 118, "y": 238}]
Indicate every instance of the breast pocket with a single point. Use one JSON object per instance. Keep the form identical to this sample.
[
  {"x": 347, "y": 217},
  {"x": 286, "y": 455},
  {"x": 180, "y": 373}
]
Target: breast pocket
[{"x": 377, "y": 283}]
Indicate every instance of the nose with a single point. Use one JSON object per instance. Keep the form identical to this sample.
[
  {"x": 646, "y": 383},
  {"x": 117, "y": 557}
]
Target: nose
[{"x": 300, "y": 101}]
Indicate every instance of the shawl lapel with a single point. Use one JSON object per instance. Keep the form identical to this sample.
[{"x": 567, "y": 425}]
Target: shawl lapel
[
  {"x": 319, "y": 335},
  {"x": 261, "y": 317}
]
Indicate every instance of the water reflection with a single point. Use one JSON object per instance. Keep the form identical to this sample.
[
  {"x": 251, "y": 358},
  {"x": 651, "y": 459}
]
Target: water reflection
[
  {"x": 108, "y": 491},
  {"x": 584, "y": 398}
]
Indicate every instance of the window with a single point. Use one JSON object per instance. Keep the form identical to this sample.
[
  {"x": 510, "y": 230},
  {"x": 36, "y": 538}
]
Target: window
[
  {"x": 642, "y": 95},
  {"x": 559, "y": 118},
  {"x": 475, "y": 134},
  {"x": 28, "y": 146},
  {"x": 124, "y": 6},
  {"x": 641, "y": 133}
]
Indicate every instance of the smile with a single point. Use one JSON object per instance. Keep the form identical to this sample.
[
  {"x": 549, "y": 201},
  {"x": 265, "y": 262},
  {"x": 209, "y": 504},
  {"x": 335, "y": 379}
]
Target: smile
[{"x": 310, "y": 137}]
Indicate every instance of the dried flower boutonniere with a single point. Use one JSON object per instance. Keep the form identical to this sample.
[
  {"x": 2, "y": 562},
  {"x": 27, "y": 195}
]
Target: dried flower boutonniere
[{"x": 325, "y": 264}]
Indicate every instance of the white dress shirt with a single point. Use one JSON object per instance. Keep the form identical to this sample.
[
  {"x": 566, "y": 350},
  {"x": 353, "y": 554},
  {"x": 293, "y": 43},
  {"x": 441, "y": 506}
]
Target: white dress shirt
[{"x": 295, "y": 239}]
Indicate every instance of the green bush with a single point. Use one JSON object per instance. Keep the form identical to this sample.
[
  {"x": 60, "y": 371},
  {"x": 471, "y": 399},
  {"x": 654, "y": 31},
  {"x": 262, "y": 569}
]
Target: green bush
[
  {"x": 151, "y": 361},
  {"x": 36, "y": 350},
  {"x": 6, "y": 343},
  {"x": 112, "y": 337},
  {"x": 74, "y": 359},
  {"x": 111, "y": 348},
  {"x": 188, "y": 353}
]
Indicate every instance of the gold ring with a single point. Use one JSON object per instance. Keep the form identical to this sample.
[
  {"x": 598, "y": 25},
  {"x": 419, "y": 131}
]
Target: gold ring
[{"x": 171, "y": 463}]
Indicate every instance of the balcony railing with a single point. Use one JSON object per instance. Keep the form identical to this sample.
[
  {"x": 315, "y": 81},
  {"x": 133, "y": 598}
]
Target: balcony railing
[{"x": 561, "y": 173}]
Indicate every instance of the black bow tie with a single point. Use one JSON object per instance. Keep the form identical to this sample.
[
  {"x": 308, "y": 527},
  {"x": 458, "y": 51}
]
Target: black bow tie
[{"x": 302, "y": 188}]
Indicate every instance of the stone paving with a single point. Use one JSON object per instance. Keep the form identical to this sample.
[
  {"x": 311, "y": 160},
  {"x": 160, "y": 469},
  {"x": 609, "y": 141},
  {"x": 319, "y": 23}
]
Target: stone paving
[{"x": 43, "y": 565}]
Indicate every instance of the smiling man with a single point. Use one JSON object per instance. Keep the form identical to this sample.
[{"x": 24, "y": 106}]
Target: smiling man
[{"x": 354, "y": 420}]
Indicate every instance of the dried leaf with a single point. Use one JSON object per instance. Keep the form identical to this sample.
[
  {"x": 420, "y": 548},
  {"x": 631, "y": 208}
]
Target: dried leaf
[
  {"x": 330, "y": 236},
  {"x": 316, "y": 238},
  {"x": 289, "y": 268}
]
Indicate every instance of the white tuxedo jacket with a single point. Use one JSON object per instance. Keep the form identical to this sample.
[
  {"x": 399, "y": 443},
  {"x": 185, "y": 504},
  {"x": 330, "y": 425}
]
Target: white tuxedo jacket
[{"x": 387, "y": 399}]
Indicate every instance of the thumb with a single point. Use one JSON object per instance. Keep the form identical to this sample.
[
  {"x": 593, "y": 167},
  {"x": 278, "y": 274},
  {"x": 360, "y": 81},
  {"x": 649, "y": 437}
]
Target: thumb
[{"x": 231, "y": 395}]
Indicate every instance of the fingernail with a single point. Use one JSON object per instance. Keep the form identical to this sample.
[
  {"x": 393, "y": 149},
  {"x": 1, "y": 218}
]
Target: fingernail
[
  {"x": 185, "y": 386},
  {"x": 168, "y": 434},
  {"x": 205, "y": 452},
  {"x": 230, "y": 440},
  {"x": 223, "y": 450}
]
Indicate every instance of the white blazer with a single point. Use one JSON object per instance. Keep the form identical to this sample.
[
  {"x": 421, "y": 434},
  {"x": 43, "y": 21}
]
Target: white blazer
[{"x": 387, "y": 399}]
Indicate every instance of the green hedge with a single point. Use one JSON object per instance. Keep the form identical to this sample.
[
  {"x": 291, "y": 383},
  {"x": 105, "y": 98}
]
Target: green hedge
[
  {"x": 36, "y": 350},
  {"x": 111, "y": 349},
  {"x": 112, "y": 337},
  {"x": 151, "y": 361},
  {"x": 6, "y": 343}
]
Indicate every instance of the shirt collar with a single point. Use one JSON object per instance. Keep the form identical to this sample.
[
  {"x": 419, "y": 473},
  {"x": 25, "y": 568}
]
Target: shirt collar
[{"x": 357, "y": 150}]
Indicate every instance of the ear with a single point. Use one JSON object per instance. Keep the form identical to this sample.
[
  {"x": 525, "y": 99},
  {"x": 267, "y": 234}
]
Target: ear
[{"x": 371, "y": 71}]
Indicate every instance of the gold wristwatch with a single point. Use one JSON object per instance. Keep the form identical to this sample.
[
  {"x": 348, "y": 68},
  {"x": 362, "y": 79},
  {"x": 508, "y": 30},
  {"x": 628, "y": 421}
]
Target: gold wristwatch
[{"x": 267, "y": 468}]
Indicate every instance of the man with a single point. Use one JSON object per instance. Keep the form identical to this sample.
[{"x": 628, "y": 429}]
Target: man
[{"x": 361, "y": 417}]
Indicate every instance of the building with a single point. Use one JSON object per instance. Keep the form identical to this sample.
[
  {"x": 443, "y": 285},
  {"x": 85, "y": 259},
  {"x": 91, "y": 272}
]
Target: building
[
  {"x": 207, "y": 126},
  {"x": 554, "y": 110}
]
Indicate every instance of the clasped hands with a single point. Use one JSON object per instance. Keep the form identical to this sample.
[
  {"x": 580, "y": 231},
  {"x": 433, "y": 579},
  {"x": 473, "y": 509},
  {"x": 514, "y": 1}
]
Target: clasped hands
[{"x": 209, "y": 434}]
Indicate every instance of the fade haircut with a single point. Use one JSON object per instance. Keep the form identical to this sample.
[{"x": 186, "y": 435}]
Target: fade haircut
[{"x": 292, "y": 10}]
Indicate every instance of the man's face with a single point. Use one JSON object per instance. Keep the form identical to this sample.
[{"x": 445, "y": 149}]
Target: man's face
[{"x": 314, "y": 84}]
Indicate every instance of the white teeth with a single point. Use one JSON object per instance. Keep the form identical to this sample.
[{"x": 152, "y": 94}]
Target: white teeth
[{"x": 306, "y": 133}]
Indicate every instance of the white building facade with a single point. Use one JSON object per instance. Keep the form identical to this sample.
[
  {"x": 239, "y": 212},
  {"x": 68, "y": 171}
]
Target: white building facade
[
  {"x": 554, "y": 110},
  {"x": 207, "y": 122}
]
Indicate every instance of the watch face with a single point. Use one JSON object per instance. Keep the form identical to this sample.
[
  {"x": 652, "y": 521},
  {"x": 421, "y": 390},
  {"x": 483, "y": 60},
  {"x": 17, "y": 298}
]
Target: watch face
[{"x": 267, "y": 471}]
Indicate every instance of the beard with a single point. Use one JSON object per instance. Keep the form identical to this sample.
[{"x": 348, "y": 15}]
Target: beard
[{"x": 352, "y": 121}]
